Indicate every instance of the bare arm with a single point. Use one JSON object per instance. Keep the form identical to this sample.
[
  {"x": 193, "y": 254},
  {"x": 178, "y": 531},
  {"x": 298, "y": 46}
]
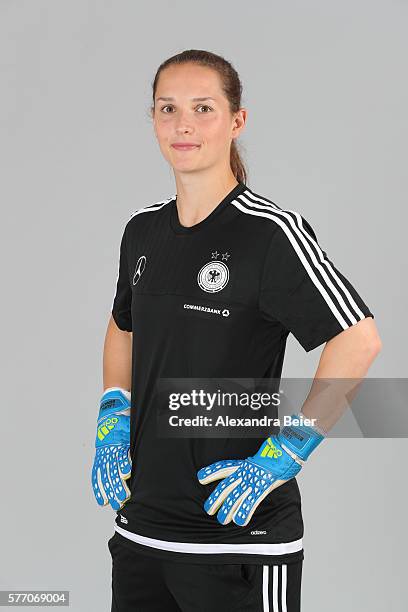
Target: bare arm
[
  {"x": 348, "y": 357},
  {"x": 117, "y": 357}
]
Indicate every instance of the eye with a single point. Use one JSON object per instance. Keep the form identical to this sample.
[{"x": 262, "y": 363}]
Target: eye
[
  {"x": 167, "y": 106},
  {"x": 205, "y": 106},
  {"x": 171, "y": 106}
]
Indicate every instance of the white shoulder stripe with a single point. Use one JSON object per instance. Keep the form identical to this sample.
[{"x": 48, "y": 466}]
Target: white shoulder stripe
[
  {"x": 153, "y": 207},
  {"x": 301, "y": 242}
]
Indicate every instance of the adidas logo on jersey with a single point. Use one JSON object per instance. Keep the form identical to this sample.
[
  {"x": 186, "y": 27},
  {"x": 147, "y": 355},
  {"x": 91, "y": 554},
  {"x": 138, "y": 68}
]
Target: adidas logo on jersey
[
  {"x": 123, "y": 519},
  {"x": 256, "y": 532}
]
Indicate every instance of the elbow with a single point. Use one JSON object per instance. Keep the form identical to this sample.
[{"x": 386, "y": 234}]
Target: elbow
[
  {"x": 373, "y": 346},
  {"x": 368, "y": 338},
  {"x": 365, "y": 352}
]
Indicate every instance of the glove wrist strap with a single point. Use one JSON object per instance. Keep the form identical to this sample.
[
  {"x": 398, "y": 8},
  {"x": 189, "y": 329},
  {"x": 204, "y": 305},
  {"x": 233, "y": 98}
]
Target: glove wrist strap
[
  {"x": 125, "y": 392},
  {"x": 300, "y": 439}
]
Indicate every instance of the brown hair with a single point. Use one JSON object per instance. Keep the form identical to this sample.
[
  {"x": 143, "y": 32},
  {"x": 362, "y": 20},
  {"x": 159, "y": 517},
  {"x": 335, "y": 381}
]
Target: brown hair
[{"x": 231, "y": 86}]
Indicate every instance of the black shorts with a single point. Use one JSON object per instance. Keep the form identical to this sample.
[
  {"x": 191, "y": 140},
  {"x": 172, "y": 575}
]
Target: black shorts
[{"x": 141, "y": 583}]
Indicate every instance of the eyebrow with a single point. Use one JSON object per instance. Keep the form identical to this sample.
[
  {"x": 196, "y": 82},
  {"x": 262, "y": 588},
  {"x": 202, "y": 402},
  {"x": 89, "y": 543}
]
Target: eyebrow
[{"x": 193, "y": 99}]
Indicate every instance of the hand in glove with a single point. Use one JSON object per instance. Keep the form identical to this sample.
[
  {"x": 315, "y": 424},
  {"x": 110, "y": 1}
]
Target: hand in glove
[
  {"x": 246, "y": 482},
  {"x": 112, "y": 463}
]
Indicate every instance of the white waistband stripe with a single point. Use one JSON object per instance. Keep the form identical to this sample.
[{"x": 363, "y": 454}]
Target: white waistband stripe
[{"x": 202, "y": 549}]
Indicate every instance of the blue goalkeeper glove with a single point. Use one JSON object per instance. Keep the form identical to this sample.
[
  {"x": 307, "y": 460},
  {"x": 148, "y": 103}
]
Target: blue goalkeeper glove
[
  {"x": 246, "y": 482},
  {"x": 112, "y": 463}
]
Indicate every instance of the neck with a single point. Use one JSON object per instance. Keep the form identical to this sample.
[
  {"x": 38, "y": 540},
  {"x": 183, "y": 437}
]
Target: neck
[{"x": 197, "y": 198}]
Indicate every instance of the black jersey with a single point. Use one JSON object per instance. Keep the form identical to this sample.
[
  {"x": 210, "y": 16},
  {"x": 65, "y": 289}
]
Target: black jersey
[{"x": 217, "y": 299}]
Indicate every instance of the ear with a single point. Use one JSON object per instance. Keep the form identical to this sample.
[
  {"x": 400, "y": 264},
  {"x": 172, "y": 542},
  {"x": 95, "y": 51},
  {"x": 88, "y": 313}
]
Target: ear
[{"x": 239, "y": 122}]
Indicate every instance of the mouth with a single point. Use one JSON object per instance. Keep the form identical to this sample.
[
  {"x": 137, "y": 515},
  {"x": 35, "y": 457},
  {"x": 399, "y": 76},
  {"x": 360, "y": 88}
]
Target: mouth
[{"x": 184, "y": 146}]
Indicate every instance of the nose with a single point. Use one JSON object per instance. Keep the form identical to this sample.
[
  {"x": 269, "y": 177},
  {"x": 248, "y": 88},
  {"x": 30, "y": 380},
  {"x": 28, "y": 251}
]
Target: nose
[
  {"x": 184, "y": 128},
  {"x": 183, "y": 122}
]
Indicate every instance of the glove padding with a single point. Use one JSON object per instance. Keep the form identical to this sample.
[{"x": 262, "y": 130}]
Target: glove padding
[
  {"x": 112, "y": 464},
  {"x": 246, "y": 482}
]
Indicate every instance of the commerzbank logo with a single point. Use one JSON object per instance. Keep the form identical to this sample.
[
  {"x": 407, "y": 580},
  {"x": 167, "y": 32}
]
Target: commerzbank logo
[{"x": 223, "y": 312}]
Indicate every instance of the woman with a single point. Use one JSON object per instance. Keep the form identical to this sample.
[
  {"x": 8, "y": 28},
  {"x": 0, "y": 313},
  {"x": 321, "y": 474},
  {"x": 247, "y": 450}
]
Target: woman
[{"x": 211, "y": 282}]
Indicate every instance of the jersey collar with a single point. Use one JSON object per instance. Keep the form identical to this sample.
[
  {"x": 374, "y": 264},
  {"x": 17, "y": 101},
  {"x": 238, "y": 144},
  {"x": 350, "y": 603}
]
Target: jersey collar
[{"x": 214, "y": 214}]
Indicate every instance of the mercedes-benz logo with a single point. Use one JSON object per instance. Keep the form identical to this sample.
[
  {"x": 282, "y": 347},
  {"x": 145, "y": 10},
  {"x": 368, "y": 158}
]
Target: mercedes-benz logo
[{"x": 140, "y": 266}]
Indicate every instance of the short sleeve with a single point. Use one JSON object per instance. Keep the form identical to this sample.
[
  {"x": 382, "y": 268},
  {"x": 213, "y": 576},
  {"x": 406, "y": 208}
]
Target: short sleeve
[
  {"x": 302, "y": 289},
  {"x": 121, "y": 309}
]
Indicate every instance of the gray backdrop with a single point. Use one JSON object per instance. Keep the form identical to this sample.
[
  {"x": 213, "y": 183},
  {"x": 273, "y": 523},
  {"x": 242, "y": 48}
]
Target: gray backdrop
[{"x": 326, "y": 91}]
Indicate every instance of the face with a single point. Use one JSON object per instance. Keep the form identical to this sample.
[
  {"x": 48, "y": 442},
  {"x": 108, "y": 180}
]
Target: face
[{"x": 191, "y": 108}]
